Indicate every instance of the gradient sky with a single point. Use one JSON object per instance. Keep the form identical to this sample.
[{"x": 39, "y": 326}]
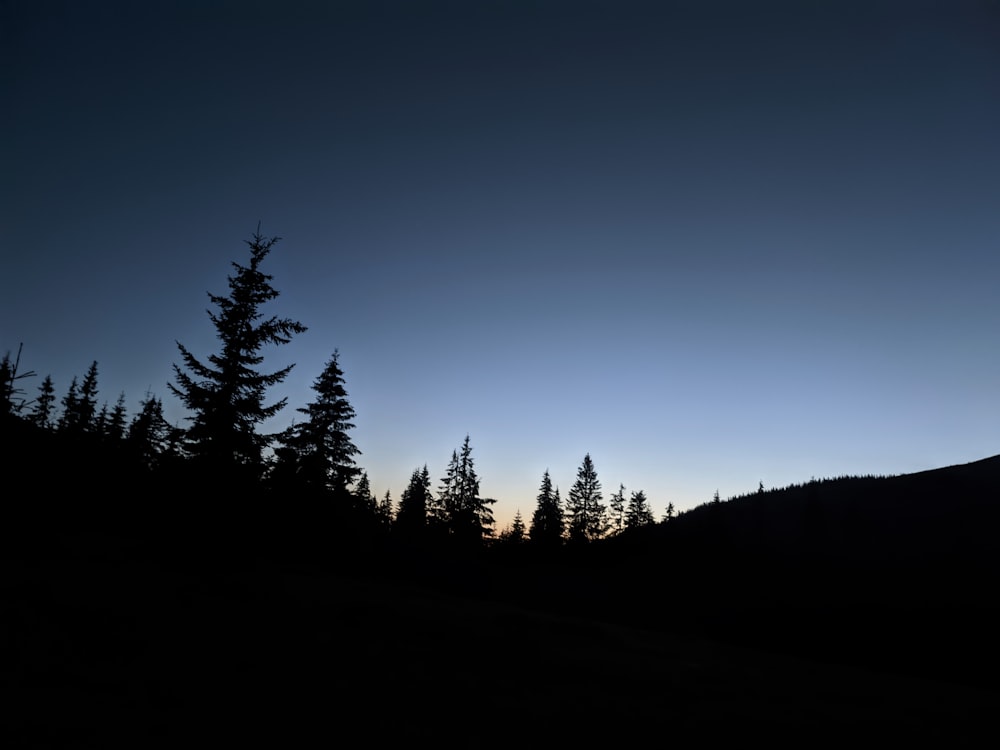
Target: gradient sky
[{"x": 710, "y": 243}]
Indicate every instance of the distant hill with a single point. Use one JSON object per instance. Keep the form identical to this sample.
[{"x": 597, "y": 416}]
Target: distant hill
[{"x": 901, "y": 572}]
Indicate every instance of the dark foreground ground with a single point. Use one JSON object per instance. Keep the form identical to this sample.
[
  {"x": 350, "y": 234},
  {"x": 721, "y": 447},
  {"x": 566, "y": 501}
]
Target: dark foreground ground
[{"x": 99, "y": 652}]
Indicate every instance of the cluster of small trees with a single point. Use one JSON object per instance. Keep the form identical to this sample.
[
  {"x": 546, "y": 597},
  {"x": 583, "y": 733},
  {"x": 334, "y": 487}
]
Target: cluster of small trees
[
  {"x": 223, "y": 445},
  {"x": 146, "y": 437},
  {"x": 584, "y": 517}
]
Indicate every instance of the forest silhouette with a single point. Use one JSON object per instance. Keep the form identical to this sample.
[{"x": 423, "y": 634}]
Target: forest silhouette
[{"x": 166, "y": 577}]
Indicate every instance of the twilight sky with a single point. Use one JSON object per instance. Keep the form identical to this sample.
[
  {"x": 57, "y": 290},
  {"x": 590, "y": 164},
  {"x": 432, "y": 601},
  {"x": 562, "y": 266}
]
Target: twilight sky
[{"x": 710, "y": 243}]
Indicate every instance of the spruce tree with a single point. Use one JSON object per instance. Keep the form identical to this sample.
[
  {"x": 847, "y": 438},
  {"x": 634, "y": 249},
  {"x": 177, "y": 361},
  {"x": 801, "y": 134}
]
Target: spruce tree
[
  {"x": 587, "y": 517},
  {"x": 517, "y": 531},
  {"x": 385, "y": 510},
  {"x": 226, "y": 394},
  {"x": 149, "y": 434},
  {"x": 117, "y": 420},
  {"x": 547, "y": 520},
  {"x": 41, "y": 412},
  {"x": 363, "y": 494},
  {"x": 639, "y": 513},
  {"x": 11, "y": 401},
  {"x": 617, "y": 510},
  {"x": 412, "y": 514},
  {"x": 69, "y": 420},
  {"x": 323, "y": 449},
  {"x": 466, "y": 515},
  {"x": 88, "y": 400}
]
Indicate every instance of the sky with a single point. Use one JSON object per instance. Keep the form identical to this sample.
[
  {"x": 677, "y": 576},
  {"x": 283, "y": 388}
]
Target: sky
[{"x": 709, "y": 243}]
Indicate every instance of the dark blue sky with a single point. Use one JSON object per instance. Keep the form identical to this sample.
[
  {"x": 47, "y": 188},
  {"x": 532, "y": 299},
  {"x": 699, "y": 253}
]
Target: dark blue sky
[{"x": 710, "y": 243}]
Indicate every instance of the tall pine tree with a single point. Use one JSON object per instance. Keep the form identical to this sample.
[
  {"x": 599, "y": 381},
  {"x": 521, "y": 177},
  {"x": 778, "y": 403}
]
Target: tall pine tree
[
  {"x": 322, "y": 449},
  {"x": 587, "y": 517},
  {"x": 226, "y": 394},
  {"x": 413, "y": 505},
  {"x": 467, "y": 516},
  {"x": 547, "y": 520}
]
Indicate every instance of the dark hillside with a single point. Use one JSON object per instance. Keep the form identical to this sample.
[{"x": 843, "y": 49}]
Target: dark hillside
[{"x": 897, "y": 572}]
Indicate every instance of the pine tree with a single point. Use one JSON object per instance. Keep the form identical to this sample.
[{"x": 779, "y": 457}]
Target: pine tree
[
  {"x": 41, "y": 413},
  {"x": 363, "y": 494},
  {"x": 385, "y": 510},
  {"x": 227, "y": 394},
  {"x": 517, "y": 528},
  {"x": 467, "y": 516},
  {"x": 117, "y": 420},
  {"x": 11, "y": 401},
  {"x": 88, "y": 400},
  {"x": 547, "y": 520},
  {"x": 412, "y": 514},
  {"x": 617, "y": 510},
  {"x": 639, "y": 513},
  {"x": 69, "y": 420},
  {"x": 325, "y": 452},
  {"x": 587, "y": 517},
  {"x": 668, "y": 514},
  {"x": 149, "y": 434},
  {"x": 441, "y": 507},
  {"x": 100, "y": 427}
]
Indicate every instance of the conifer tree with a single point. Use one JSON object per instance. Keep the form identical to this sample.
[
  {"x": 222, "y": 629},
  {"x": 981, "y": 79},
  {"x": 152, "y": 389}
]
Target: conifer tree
[
  {"x": 412, "y": 514},
  {"x": 385, "y": 510},
  {"x": 467, "y": 516},
  {"x": 149, "y": 435},
  {"x": 517, "y": 528},
  {"x": 547, "y": 520},
  {"x": 616, "y": 514},
  {"x": 668, "y": 514},
  {"x": 69, "y": 420},
  {"x": 323, "y": 449},
  {"x": 226, "y": 395},
  {"x": 41, "y": 413},
  {"x": 11, "y": 401},
  {"x": 88, "y": 400},
  {"x": 587, "y": 517},
  {"x": 639, "y": 513},
  {"x": 100, "y": 427},
  {"x": 117, "y": 419},
  {"x": 363, "y": 493}
]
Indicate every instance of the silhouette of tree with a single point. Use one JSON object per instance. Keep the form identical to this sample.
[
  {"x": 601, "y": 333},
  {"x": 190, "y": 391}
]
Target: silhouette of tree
[
  {"x": 616, "y": 512},
  {"x": 87, "y": 404},
  {"x": 324, "y": 451},
  {"x": 466, "y": 515},
  {"x": 385, "y": 510},
  {"x": 412, "y": 514},
  {"x": 639, "y": 513},
  {"x": 515, "y": 533},
  {"x": 669, "y": 513},
  {"x": 226, "y": 395},
  {"x": 69, "y": 420},
  {"x": 363, "y": 493},
  {"x": 42, "y": 411},
  {"x": 150, "y": 436},
  {"x": 587, "y": 516},
  {"x": 547, "y": 520},
  {"x": 117, "y": 420},
  {"x": 100, "y": 427},
  {"x": 10, "y": 401}
]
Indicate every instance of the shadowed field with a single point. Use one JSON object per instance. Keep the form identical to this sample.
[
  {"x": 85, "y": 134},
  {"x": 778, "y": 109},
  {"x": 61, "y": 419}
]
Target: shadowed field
[{"x": 105, "y": 651}]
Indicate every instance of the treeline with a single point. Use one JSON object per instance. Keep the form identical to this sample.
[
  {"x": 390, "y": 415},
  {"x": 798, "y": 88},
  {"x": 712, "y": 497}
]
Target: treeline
[{"x": 306, "y": 474}]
